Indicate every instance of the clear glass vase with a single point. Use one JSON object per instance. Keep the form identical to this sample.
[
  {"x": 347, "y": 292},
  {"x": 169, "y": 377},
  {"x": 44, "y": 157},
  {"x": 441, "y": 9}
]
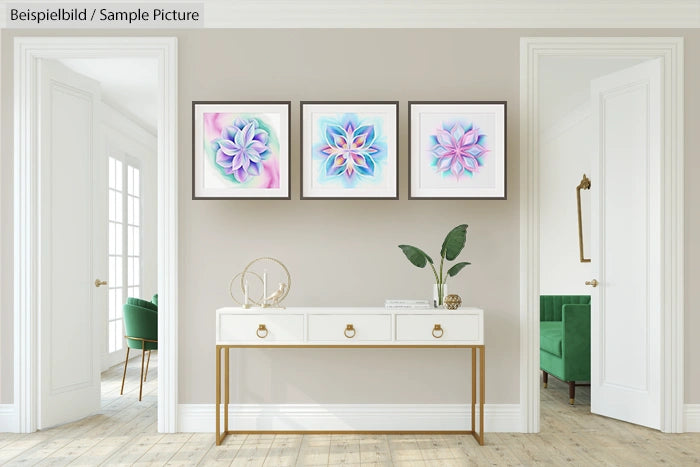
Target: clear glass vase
[{"x": 439, "y": 294}]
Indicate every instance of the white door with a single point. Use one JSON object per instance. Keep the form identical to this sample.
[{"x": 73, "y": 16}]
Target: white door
[
  {"x": 625, "y": 245},
  {"x": 73, "y": 238}
]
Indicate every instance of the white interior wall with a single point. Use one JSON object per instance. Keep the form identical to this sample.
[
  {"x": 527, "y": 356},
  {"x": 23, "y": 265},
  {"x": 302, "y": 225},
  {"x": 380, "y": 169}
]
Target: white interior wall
[
  {"x": 565, "y": 132},
  {"x": 129, "y": 84},
  {"x": 566, "y": 148},
  {"x": 123, "y": 134}
]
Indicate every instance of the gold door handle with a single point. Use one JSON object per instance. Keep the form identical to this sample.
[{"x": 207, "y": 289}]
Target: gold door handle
[
  {"x": 349, "y": 328},
  {"x": 436, "y": 329},
  {"x": 261, "y": 328},
  {"x": 99, "y": 282},
  {"x": 592, "y": 283}
]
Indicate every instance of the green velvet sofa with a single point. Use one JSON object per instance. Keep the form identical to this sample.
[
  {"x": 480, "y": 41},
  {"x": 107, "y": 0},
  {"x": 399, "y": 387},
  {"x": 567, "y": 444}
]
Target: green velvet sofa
[{"x": 565, "y": 339}]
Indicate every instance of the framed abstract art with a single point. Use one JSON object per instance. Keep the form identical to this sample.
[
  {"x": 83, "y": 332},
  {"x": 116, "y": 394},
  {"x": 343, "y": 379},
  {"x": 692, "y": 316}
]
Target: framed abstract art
[
  {"x": 457, "y": 150},
  {"x": 240, "y": 150},
  {"x": 349, "y": 150}
]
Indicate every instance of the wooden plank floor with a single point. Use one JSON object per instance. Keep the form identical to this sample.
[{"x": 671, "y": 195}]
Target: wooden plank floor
[{"x": 125, "y": 433}]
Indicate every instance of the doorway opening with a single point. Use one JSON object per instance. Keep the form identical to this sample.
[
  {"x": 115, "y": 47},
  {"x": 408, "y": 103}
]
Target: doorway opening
[
  {"x": 100, "y": 128},
  {"x": 567, "y": 137},
  {"x": 128, "y": 152},
  {"x": 605, "y": 98}
]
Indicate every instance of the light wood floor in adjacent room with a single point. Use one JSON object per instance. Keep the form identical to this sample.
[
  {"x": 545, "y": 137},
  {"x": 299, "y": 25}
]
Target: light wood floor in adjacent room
[{"x": 125, "y": 433}]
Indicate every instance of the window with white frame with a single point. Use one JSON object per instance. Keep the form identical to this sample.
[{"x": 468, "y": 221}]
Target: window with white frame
[{"x": 124, "y": 243}]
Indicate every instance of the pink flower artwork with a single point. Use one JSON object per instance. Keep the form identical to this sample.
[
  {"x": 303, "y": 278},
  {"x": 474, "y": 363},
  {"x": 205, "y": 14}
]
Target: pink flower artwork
[{"x": 458, "y": 148}]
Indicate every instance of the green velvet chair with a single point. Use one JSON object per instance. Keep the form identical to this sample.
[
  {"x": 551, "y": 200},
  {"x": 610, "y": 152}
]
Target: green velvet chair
[
  {"x": 141, "y": 326},
  {"x": 565, "y": 339},
  {"x": 142, "y": 303}
]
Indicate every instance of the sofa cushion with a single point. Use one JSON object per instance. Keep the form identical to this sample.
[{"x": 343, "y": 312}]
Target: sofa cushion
[
  {"x": 550, "y": 337},
  {"x": 551, "y": 305}
]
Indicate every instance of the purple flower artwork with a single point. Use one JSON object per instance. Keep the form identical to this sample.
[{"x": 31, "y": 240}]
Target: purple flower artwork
[
  {"x": 350, "y": 150},
  {"x": 243, "y": 148},
  {"x": 458, "y": 148}
]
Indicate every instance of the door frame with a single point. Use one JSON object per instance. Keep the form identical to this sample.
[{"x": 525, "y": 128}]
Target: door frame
[
  {"x": 670, "y": 51},
  {"x": 27, "y": 309}
]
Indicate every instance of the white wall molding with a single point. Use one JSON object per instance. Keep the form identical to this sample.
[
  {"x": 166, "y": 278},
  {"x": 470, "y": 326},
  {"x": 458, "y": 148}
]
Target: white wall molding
[
  {"x": 529, "y": 244},
  {"x": 8, "y": 418},
  {"x": 444, "y": 14},
  {"x": 692, "y": 418},
  {"x": 168, "y": 228},
  {"x": 1, "y": 259},
  {"x": 670, "y": 51},
  {"x": 28, "y": 50},
  {"x": 357, "y": 417}
]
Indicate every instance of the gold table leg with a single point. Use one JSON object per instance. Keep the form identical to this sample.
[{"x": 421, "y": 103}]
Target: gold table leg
[
  {"x": 218, "y": 394},
  {"x": 226, "y": 388},
  {"x": 473, "y": 352},
  {"x": 482, "y": 392}
]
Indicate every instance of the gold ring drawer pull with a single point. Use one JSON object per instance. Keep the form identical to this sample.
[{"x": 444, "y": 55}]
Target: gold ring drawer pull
[
  {"x": 438, "y": 329},
  {"x": 349, "y": 328},
  {"x": 261, "y": 329}
]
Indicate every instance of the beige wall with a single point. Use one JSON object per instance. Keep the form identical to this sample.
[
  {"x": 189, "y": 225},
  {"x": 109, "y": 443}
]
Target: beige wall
[{"x": 344, "y": 252}]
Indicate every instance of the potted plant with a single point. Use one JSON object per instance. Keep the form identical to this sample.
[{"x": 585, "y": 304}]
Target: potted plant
[{"x": 451, "y": 248}]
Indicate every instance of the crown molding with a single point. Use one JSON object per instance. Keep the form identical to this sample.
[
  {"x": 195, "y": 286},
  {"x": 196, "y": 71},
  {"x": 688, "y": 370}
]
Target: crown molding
[
  {"x": 442, "y": 13},
  {"x": 453, "y": 14}
]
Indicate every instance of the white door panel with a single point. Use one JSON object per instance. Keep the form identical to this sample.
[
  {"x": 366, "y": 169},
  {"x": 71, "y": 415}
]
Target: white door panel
[
  {"x": 625, "y": 247},
  {"x": 69, "y": 378}
]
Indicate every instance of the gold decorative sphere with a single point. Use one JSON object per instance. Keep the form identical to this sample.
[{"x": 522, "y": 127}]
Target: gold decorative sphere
[{"x": 453, "y": 301}]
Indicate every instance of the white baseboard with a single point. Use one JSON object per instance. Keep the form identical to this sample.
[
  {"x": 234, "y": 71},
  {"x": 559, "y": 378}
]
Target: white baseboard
[
  {"x": 8, "y": 418},
  {"x": 201, "y": 418},
  {"x": 692, "y": 418}
]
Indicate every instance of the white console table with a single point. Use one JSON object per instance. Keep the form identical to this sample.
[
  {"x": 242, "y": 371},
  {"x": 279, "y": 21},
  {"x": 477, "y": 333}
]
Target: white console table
[{"x": 326, "y": 327}]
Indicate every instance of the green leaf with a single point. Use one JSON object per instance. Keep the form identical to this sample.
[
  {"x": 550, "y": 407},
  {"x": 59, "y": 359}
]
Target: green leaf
[
  {"x": 416, "y": 255},
  {"x": 454, "y": 242},
  {"x": 456, "y": 268}
]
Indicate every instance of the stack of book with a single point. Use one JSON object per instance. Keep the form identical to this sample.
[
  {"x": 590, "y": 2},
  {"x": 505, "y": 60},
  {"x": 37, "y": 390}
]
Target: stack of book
[{"x": 407, "y": 304}]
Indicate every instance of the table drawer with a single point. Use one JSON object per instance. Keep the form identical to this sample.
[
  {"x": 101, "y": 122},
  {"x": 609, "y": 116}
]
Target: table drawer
[
  {"x": 346, "y": 329},
  {"x": 261, "y": 328},
  {"x": 439, "y": 328}
]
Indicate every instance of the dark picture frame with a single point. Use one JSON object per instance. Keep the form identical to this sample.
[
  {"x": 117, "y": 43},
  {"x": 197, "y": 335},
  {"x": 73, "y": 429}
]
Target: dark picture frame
[
  {"x": 261, "y": 178},
  {"x": 457, "y": 150},
  {"x": 382, "y": 114}
]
